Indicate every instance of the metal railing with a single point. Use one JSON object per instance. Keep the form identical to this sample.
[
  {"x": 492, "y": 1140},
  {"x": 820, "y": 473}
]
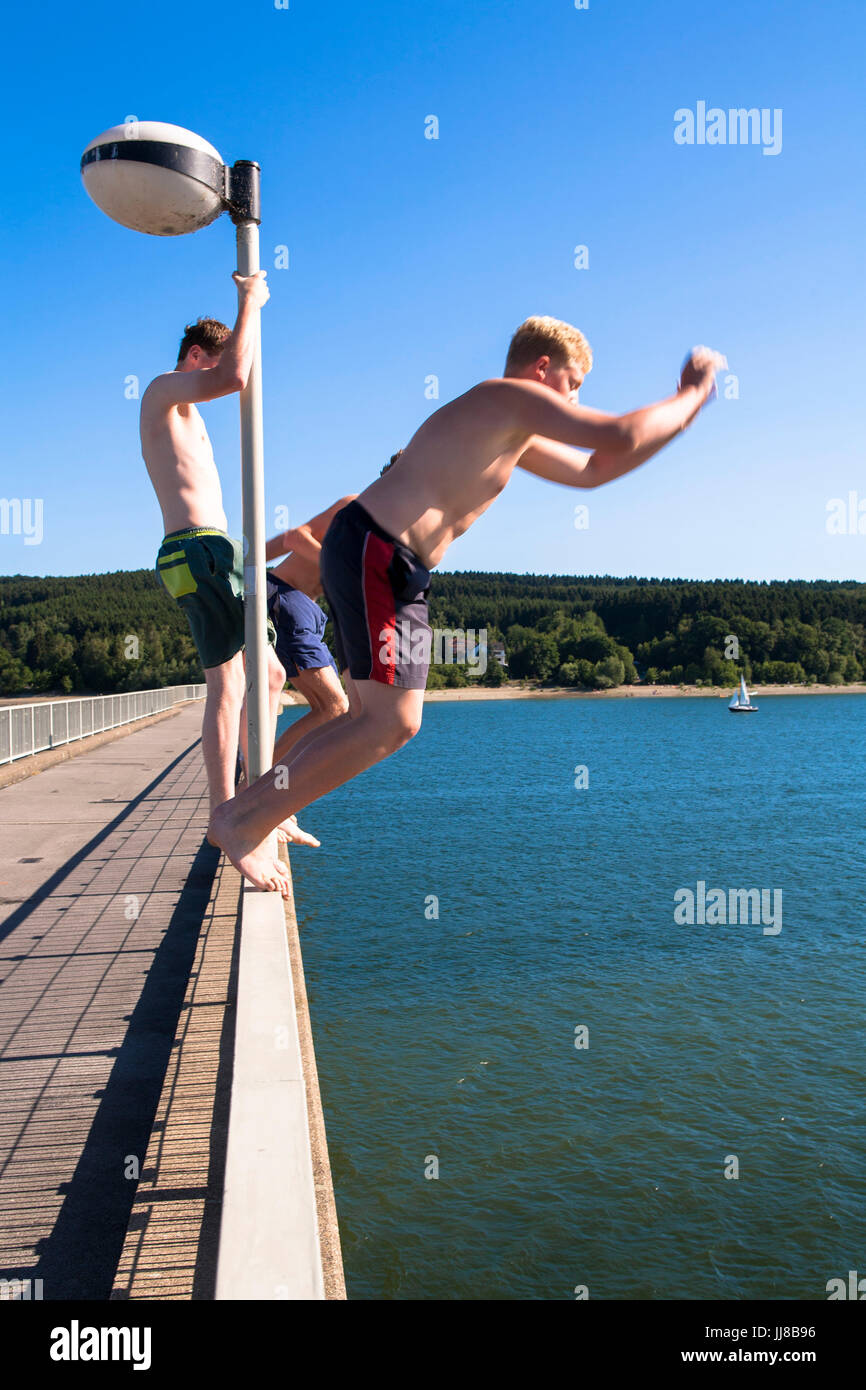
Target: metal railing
[{"x": 28, "y": 729}]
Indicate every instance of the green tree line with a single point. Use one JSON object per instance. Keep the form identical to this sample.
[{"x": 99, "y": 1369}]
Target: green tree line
[
  {"x": 73, "y": 634},
  {"x": 603, "y": 631}
]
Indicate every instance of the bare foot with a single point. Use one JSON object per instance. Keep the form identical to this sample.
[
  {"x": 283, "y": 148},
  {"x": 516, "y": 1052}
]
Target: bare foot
[
  {"x": 255, "y": 861},
  {"x": 290, "y": 833}
]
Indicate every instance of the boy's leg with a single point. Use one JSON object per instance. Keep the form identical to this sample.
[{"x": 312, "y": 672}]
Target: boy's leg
[
  {"x": 289, "y": 832},
  {"x": 327, "y": 757},
  {"x": 219, "y": 732},
  {"x": 219, "y": 739},
  {"x": 352, "y": 694},
  {"x": 322, "y": 690},
  {"x": 355, "y": 708},
  {"x": 276, "y": 685},
  {"x": 314, "y": 734}
]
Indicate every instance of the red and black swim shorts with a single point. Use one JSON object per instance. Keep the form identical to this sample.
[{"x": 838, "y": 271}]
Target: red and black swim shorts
[{"x": 377, "y": 593}]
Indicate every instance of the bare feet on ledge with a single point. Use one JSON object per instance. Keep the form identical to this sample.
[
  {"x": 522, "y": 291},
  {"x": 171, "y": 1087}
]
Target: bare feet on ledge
[
  {"x": 290, "y": 833},
  {"x": 257, "y": 862}
]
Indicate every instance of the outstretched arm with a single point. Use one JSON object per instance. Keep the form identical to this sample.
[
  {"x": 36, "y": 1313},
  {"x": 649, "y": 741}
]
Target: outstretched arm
[
  {"x": 644, "y": 432},
  {"x": 546, "y": 458},
  {"x": 306, "y": 540}
]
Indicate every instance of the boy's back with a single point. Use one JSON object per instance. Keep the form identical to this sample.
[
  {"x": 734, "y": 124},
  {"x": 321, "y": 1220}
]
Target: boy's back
[{"x": 448, "y": 474}]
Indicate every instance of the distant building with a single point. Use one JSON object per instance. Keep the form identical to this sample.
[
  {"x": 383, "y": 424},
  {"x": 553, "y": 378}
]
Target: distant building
[
  {"x": 455, "y": 648},
  {"x": 495, "y": 652}
]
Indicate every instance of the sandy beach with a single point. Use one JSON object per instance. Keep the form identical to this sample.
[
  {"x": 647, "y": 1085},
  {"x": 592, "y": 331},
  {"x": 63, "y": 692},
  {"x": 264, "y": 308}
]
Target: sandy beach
[
  {"x": 621, "y": 692},
  {"x": 640, "y": 692}
]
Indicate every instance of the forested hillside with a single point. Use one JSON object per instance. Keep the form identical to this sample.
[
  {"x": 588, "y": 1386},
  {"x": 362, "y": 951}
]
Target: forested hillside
[
  {"x": 667, "y": 631},
  {"x": 121, "y": 631},
  {"x": 74, "y": 634}
]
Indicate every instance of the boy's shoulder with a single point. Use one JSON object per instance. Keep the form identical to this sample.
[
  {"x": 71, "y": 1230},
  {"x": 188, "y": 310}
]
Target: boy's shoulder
[
  {"x": 502, "y": 388},
  {"x": 156, "y": 388},
  {"x": 502, "y": 398}
]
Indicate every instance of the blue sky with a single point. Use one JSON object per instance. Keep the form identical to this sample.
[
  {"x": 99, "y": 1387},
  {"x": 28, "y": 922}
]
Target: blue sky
[{"x": 411, "y": 257}]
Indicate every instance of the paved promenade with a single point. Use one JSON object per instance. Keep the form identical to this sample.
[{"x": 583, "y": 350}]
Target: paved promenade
[{"x": 105, "y": 879}]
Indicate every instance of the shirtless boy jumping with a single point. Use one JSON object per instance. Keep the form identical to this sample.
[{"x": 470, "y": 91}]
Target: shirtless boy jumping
[
  {"x": 200, "y": 565},
  {"x": 379, "y": 550}
]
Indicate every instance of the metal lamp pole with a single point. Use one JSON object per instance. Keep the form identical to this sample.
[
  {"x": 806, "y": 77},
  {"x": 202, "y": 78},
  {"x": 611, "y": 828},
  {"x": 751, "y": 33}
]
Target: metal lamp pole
[{"x": 246, "y": 217}]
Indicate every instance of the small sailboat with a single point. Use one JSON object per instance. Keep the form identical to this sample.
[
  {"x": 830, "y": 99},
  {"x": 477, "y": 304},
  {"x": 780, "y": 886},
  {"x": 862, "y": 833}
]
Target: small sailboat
[{"x": 741, "y": 703}]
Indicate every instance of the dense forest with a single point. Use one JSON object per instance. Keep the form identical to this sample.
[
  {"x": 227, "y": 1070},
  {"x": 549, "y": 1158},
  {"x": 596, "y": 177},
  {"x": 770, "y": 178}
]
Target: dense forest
[
  {"x": 100, "y": 632},
  {"x": 121, "y": 631}
]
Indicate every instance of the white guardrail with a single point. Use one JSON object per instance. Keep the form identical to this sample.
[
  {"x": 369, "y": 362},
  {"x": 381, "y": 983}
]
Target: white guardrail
[{"x": 28, "y": 729}]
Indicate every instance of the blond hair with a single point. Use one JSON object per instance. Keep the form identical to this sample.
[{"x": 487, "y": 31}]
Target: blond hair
[{"x": 543, "y": 336}]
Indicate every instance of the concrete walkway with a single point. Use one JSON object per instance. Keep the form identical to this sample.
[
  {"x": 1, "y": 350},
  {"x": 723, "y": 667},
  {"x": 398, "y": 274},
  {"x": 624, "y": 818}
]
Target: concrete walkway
[{"x": 105, "y": 877}]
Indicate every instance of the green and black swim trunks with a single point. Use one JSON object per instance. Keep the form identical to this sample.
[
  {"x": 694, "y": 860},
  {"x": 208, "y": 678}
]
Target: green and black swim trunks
[{"x": 204, "y": 570}]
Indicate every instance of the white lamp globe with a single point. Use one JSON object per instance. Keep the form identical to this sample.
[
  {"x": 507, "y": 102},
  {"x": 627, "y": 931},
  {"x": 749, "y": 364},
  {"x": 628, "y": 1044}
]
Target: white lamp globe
[{"x": 154, "y": 177}]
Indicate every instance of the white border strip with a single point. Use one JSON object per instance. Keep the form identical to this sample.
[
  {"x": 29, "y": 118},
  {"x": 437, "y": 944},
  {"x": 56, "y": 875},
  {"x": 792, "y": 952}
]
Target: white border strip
[{"x": 269, "y": 1237}]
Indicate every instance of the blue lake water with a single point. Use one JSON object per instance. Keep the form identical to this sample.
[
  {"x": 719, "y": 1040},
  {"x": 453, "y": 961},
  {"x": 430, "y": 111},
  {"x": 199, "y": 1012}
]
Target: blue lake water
[{"x": 709, "y": 1046}]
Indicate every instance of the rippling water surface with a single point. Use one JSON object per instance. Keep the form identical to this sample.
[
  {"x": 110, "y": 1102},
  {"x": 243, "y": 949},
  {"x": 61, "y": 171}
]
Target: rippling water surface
[{"x": 454, "y": 1038}]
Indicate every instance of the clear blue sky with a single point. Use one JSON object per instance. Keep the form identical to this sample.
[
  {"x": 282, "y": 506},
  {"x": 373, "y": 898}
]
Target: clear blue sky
[{"x": 411, "y": 257}]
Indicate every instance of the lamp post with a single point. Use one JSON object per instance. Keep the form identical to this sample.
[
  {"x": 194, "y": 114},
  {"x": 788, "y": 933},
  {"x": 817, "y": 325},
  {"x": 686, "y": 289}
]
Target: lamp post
[{"x": 165, "y": 181}]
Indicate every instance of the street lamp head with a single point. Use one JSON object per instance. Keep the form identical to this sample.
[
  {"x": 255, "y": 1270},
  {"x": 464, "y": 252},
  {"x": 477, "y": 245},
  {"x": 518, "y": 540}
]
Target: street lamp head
[{"x": 155, "y": 178}]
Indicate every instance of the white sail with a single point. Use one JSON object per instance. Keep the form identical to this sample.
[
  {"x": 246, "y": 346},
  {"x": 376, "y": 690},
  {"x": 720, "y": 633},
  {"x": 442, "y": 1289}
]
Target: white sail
[{"x": 741, "y": 698}]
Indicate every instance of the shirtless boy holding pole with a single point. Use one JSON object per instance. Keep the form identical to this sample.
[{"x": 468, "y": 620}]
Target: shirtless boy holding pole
[
  {"x": 200, "y": 565},
  {"x": 379, "y": 550}
]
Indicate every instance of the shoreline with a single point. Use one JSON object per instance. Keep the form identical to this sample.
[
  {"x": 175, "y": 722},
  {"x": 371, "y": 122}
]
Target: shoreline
[
  {"x": 640, "y": 692},
  {"x": 620, "y": 692}
]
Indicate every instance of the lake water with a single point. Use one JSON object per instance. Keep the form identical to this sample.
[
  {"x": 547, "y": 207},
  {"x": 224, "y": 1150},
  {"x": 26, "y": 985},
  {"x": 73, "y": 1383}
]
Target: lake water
[{"x": 710, "y": 1049}]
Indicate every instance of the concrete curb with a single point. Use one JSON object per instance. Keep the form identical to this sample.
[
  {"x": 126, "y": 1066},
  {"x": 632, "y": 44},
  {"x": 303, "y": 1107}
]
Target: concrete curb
[{"x": 269, "y": 1237}]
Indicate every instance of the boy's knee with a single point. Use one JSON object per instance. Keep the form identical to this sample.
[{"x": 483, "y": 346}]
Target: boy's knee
[
  {"x": 226, "y": 682},
  {"x": 337, "y": 706},
  {"x": 276, "y": 676},
  {"x": 403, "y": 727},
  {"x": 412, "y": 724}
]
